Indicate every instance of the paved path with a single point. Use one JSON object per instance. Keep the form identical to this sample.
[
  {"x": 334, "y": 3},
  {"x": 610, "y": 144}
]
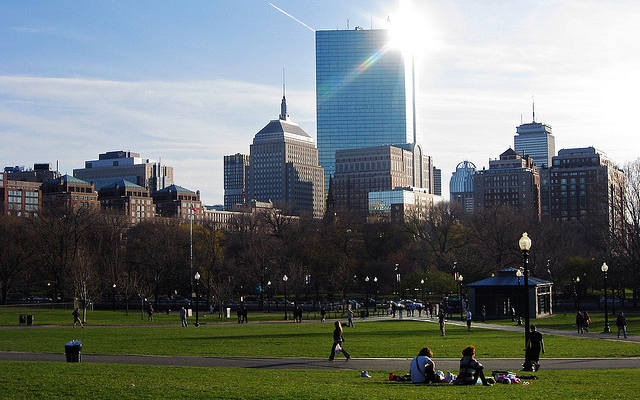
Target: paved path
[{"x": 395, "y": 365}]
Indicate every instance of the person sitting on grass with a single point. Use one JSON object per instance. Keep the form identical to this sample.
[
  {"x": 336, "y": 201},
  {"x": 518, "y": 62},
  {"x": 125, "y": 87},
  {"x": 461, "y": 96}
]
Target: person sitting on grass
[
  {"x": 422, "y": 367},
  {"x": 470, "y": 369}
]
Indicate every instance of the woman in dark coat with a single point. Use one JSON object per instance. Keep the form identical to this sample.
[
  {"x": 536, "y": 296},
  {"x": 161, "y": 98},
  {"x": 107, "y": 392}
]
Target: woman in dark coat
[
  {"x": 535, "y": 345},
  {"x": 338, "y": 339}
]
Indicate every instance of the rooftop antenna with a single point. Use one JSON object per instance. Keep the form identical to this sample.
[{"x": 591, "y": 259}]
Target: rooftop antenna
[
  {"x": 347, "y": 23},
  {"x": 283, "y": 105},
  {"x": 533, "y": 106}
]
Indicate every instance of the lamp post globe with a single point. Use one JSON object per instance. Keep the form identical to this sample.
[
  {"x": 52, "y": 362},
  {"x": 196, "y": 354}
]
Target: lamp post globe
[
  {"x": 525, "y": 246},
  {"x": 604, "y": 268},
  {"x": 460, "y": 278},
  {"x": 197, "y": 277}
]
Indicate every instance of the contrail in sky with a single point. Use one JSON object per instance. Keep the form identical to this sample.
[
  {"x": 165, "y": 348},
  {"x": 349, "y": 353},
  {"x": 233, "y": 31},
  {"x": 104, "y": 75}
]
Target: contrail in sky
[{"x": 291, "y": 16}]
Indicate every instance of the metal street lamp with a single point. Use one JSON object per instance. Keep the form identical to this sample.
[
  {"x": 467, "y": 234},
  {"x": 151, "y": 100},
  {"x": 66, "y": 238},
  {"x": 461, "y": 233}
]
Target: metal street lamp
[
  {"x": 285, "y": 279},
  {"x": 114, "y": 297},
  {"x": 366, "y": 303},
  {"x": 422, "y": 288},
  {"x": 459, "y": 279},
  {"x": 604, "y": 268},
  {"x": 525, "y": 246},
  {"x": 397, "y": 280},
  {"x": 197, "y": 276},
  {"x": 375, "y": 288},
  {"x": 519, "y": 275},
  {"x": 269, "y": 296},
  {"x": 576, "y": 292}
]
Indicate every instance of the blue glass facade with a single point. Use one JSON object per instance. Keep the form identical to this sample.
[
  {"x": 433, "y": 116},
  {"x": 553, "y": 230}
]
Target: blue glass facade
[
  {"x": 364, "y": 93},
  {"x": 537, "y": 141}
]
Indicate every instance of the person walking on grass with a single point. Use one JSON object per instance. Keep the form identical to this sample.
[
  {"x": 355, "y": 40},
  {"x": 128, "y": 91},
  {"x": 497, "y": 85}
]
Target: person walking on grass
[
  {"x": 534, "y": 346},
  {"x": 76, "y": 318},
  {"x": 441, "y": 321},
  {"x": 586, "y": 321},
  {"x": 621, "y": 323},
  {"x": 580, "y": 322},
  {"x": 338, "y": 340},
  {"x": 183, "y": 317}
]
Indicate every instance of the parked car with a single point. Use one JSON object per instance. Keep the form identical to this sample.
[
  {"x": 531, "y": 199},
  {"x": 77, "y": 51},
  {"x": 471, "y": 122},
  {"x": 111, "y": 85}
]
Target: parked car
[{"x": 354, "y": 304}]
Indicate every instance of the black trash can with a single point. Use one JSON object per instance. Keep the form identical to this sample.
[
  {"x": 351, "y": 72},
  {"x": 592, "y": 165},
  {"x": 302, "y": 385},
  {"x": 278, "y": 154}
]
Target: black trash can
[
  {"x": 73, "y": 351},
  {"x": 23, "y": 319},
  {"x": 29, "y": 320}
]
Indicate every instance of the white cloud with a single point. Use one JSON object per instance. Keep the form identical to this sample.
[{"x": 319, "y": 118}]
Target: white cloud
[{"x": 189, "y": 125}]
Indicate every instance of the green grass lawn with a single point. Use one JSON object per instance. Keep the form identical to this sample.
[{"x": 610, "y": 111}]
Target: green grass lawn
[
  {"x": 384, "y": 337},
  {"x": 567, "y": 321},
  {"x": 110, "y": 332},
  {"x": 22, "y": 380}
]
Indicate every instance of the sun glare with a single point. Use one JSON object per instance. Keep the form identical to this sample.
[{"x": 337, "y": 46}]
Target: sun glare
[{"x": 411, "y": 29}]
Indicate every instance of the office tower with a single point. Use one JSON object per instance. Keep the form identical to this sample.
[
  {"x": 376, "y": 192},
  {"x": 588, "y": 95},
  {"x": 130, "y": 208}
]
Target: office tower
[
  {"x": 364, "y": 93},
  {"x": 511, "y": 180},
  {"x": 128, "y": 199},
  {"x": 18, "y": 197},
  {"x": 177, "y": 202},
  {"x": 68, "y": 192},
  {"x": 235, "y": 179},
  {"x": 437, "y": 181},
  {"x": 399, "y": 205},
  {"x": 284, "y": 167},
  {"x": 40, "y": 173},
  {"x": 461, "y": 185},
  {"x": 582, "y": 183},
  {"x": 374, "y": 169},
  {"x": 115, "y": 165},
  {"x": 536, "y": 141}
]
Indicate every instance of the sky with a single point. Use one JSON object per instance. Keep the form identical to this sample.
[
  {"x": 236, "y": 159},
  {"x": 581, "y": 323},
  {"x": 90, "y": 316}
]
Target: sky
[{"x": 187, "y": 82}]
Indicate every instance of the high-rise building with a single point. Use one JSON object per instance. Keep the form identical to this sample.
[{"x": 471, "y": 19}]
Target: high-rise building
[
  {"x": 113, "y": 166},
  {"x": 177, "y": 202},
  {"x": 365, "y": 93},
  {"x": 373, "y": 169},
  {"x": 19, "y": 197},
  {"x": 235, "y": 179},
  {"x": 40, "y": 173},
  {"x": 582, "y": 183},
  {"x": 128, "y": 199},
  {"x": 67, "y": 191},
  {"x": 399, "y": 205},
  {"x": 284, "y": 167},
  {"x": 461, "y": 185},
  {"x": 436, "y": 177},
  {"x": 535, "y": 140},
  {"x": 511, "y": 180}
]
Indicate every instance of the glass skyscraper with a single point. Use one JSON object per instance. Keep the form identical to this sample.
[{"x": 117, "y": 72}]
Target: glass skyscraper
[
  {"x": 537, "y": 141},
  {"x": 364, "y": 93}
]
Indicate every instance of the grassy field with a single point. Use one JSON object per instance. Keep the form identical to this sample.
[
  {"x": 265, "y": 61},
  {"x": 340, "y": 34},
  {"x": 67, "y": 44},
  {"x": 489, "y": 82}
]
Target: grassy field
[
  {"x": 383, "y": 337},
  {"x": 21, "y": 380},
  {"x": 114, "y": 332}
]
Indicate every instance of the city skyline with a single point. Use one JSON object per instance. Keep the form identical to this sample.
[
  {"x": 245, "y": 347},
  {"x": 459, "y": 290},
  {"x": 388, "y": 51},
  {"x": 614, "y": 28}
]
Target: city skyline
[{"x": 187, "y": 84}]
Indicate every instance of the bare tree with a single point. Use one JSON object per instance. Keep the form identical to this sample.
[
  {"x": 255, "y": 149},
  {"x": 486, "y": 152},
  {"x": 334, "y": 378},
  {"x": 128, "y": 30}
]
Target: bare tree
[
  {"x": 439, "y": 228},
  {"x": 16, "y": 252}
]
